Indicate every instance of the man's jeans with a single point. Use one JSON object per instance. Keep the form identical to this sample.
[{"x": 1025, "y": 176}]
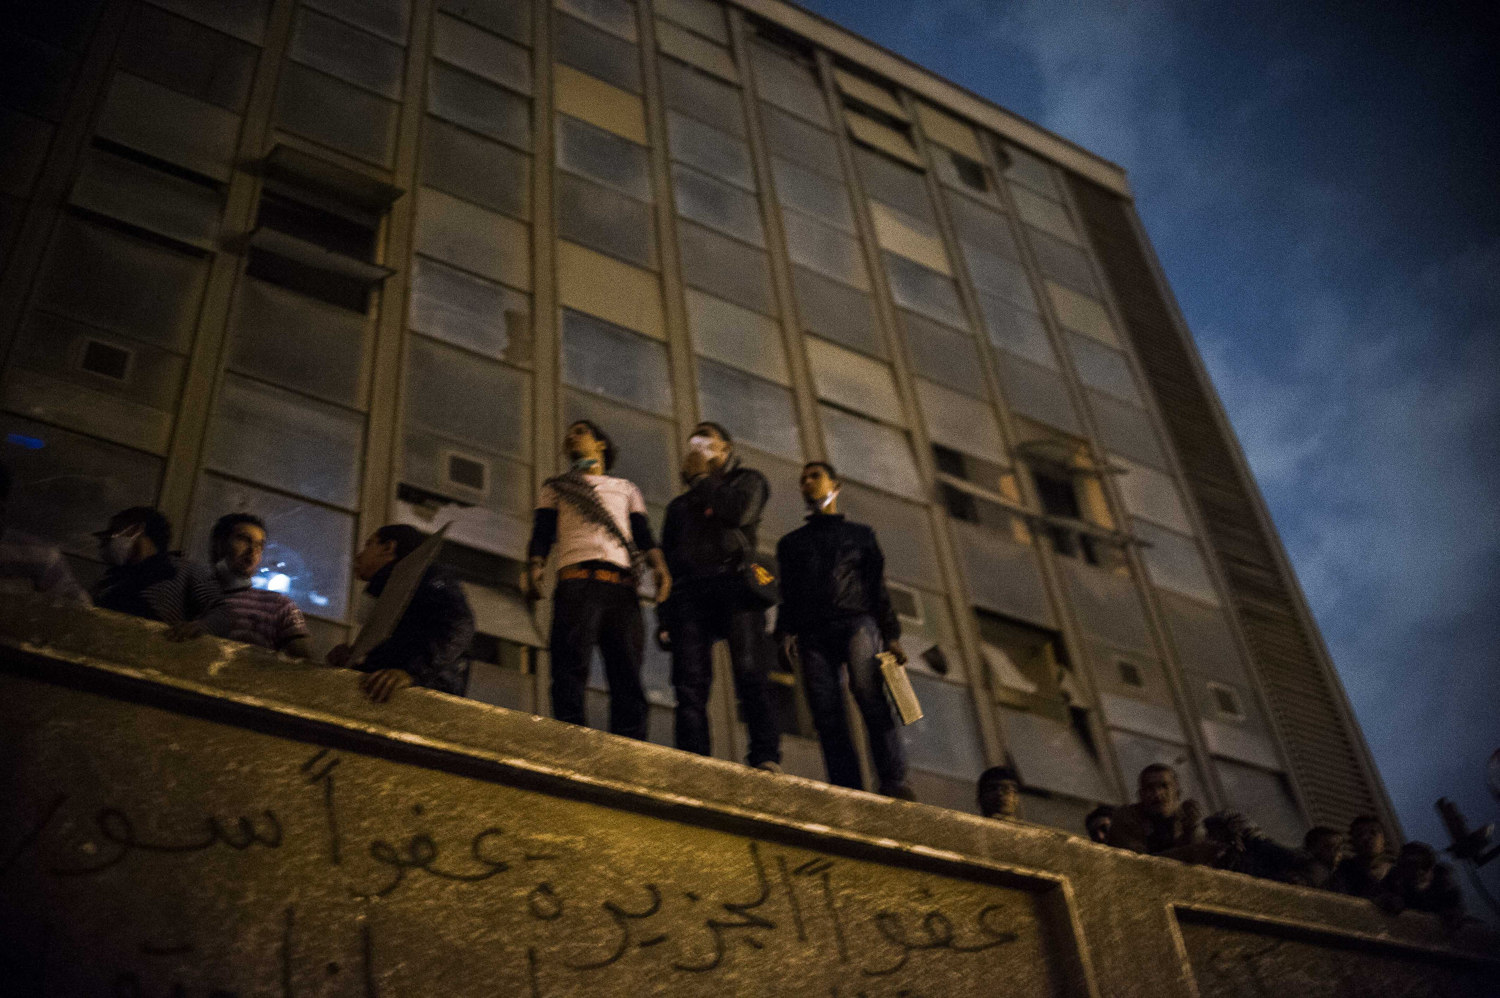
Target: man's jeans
[
  {"x": 823, "y": 652},
  {"x": 585, "y": 613},
  {"x": 712, "y": 610}
]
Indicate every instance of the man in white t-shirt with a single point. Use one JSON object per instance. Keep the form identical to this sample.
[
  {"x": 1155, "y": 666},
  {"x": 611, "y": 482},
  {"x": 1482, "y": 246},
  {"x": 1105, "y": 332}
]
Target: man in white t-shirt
[{"x": 598, "y": 524}]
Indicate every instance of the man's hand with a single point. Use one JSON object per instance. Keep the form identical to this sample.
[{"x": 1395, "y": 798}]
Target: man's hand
[
  {"x": 694, "y": 464},
  {"x": 534, "y": 572},
  {"x": 379, "y": 686},
  {"x": 894, "y": 647},
  {"x": 186, "y": 630},
  {"x": 789, "y": 648},
  {"x": 338, "y": 656},
  {"x": 664, "y": 639},
  {"x": 660, "y": 574}
]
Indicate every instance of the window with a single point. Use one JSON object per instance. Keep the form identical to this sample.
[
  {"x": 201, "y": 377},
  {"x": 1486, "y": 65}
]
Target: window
[
  {"x": 871, "y": 452},
  {"x": 150, "y": 194},
  {"x": 854, "y": 381},
  {"x": 458, "y": 162},
  {"x": 608, "y": 360},
  {"x": 693, "y": 93},
  {"x": 348, "y": 53},
  {"x": 978, "y": 226},
  {"x": 988, "y": 475},
  {"x": 691, "y": 48},
  {"x": 881, "y": 131},
  {"x": 812, "y": 193},
  {"x": 1024, "y": 659},
  {"x": 960, "y": 422},
  {"x": 603, "y": 156},
  {"x": 1054, "y": 751},
  {"x": 603, "y": 220},
  {"x": 387, "y": 18},
  {"x": 946, "y": 739},
  {"x": 614, "y": 16},
  {"x": 188, "y": 57},
  {"x": 149, "y": 118},
  {"x": 825, "y": 250},
  {"x": 944, "y": 355},
  {"x": 922, "y": 290},
  {"x": 479, "y": 105},
  {"x": 737, "y": 336},
  {"x": 1002, "y": 574},
  {"x": 1130, "y": 674},
  {"x": 706, "y": 17},
  {"x": 958, "y": 170},
  {"x": 468, "y": 473},
  {"x": 1227, "y": 701},
  {"x": 469, "y": 311},
  {"x": 1126, "y": 429},
  {"x": 789, "y": 85},
  {"x": 467, "y": 399},
  {"x": 313, "y": 245},
  {"x": 895, "y": 184},
  {"x": 758, "y": 412},
  {"x": 1151, "y": 494},
  {"x": 715, "y": 152},
  {"x": 971, "y": 507},
  {"x": 801, "y": 143},
  {"x": 1101, "y": 367},
  {"x": 481, "y": 53},
  {"x": 726, "y": 268},
  {"x": 1175, "y": 562},
  {"x": 1000, "y": 275},
  {"x": 1031, "y": 171},
  {"x": 1081, "y": 314},
  {"x": 504, "y": 17},
  {"x": 337, "y": 114},
  {"x": 1044, "y": 214},
  {"x": 1038, "y": 393},
  {"x": 1204, "y": 641},
  {"x": 717, "y": 205},
  {"x": 1106, "y": 600},
  {"x": 837, "y": 312},
  {"x": 1063, "y": 262},
  {"x": 601, "y": 55},
  {"x": 295, "y": 341}
]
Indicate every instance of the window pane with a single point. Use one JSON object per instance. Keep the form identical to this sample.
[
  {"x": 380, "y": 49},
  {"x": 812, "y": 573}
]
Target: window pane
[
  {"x": 1085, "y": 315},
  {"x": 504, "y": 17},
  {"x": 960, "y": 422},
  {"x": 608, "y": 360},
  {"x": 976, "y": 225},
  {"x": 617, "y": 16},
  {"x": 647, "y": 451},
  {"x": 1102, "y": 367},
  {"x": 728, "y": 209},
  {"x": 1031, "y": 171},
  {"x": 1038, "y": 393},
  {"x": 728, "y": 269},
  {"x": 337, "y": 114},
  {"x": 1013, "y": 328},
  {"x": 309, "y": 549},
  {"x": 1264, "y": 798},
  {"x": 476, "y": 240},
  {"x": 294, "y": 341},
  {"x": 921, "y": 290},
  {"x": 599, "y": 155},
  {"x": 703, "y": 16},
  {"x": 170, "y": 126},
  {"x": 870, "y": 452},
  {"x": 1127, "y": 429},
  {"x": 1003, "y": 576},
  {"x": 943, "y": 354},
  {"x": 854, "y": 381},
  {"x": 348, "y": 53},
  {"x": 710, "y": 150},
  {"x": 912, "y": 238},
  {"x": 837, "y": 312},
  {"x": 758, "y": 412},
  {"x": 702, "y": 97},
  {"x": 463, "y": 164},
  {"x": 469, "y": 101},
  {"x": 1043, "y": 213},
  {"x": 1063, "y": 262},
  {"x": 946, "y": 739},
  {"x": 1174, "y": 562},
  {"x": 904, "y": 531},
  {"x": 604, "y": 220},
  {"x": 812, "y": 193},
  {"x": 1108, "y": 606},
  {"x": 244, "y": 19},
  {"x": 737, "y": 336},
  {"x": 795, "y": 140},
  {"x": 481, "y": 53},
  {"x": 188, "y": 57},
  {"x": 598, "y": 53},
  {"x": 894, "y": 183},
  {"x": 464, "y": 398},
  {"x": 1203, "y": 638},
  {"x": 293, "y": 443},
  {"x": 824, "y": 249},
  {"x": 150, "y": 198},
  {"x": 66, "y": 486},
  {"x": 682, "y": 44},
  {"x": 1053, "y": 756},
  {"x": 469, "y": 312},
  {"x": 121, "y": 283},
  {"x": 788, "y": 85},
  {"x": 999, "y": 275},
  {"x": 384, "y": 17}
]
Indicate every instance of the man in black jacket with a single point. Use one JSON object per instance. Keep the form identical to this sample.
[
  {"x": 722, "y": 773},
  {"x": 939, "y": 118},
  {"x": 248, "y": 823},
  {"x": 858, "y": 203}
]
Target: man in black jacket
[
  {"x": 708, "y": 538},
  {"x": 428, "y": 644},
  {"x": 836, "y": 612}
]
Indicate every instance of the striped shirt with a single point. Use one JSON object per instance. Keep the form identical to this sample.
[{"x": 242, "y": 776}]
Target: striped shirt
[
  {"x": 259, "y": 617},
  {"x": 30, "y": 564},
  {"x": 164, "y": 587}
]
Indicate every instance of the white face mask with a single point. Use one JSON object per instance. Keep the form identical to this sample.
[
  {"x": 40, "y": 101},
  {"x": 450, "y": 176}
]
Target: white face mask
[
  {"x": 117, "y": 548},
  {"x": 818, "y": 505},
  {"x": 702, "y": 444}
]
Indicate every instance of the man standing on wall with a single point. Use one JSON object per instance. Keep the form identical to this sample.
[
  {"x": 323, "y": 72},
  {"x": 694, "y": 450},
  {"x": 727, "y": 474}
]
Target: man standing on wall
[
  {"x": 598, "y": 523},
  {"x": 709, "y": 541},
  {"x": 835, "y": 615}
]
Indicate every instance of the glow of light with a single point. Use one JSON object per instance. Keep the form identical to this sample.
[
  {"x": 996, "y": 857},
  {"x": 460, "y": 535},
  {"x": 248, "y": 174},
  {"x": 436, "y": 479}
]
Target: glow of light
[
  {"x": 279, "y": 583},
  {"x": 21, "y": 440},
  {"x": 318, "y": 599},
  {"x": 257, "y": 582}
]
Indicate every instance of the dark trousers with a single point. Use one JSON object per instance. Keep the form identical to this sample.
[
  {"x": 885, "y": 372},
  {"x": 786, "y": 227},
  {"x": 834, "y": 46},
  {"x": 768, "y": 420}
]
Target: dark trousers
[
  {"x": 823, "y": 653},
  {"x": 586, "y": 613},
  {"x": 708, "y": 611}
]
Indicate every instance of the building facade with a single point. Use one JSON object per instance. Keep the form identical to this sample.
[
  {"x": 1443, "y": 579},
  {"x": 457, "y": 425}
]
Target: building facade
[{"x": 348, "y": 262}]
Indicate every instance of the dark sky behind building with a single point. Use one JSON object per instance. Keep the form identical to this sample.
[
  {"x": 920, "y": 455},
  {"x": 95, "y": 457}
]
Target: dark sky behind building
[{"x": 1321, "y": 185}]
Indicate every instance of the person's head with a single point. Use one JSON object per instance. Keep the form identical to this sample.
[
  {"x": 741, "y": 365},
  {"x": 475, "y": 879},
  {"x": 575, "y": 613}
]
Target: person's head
[
  {"x": 389, "y": 544},
  {"x": 1158, "y": 791},
  {"x": 585, "y": 441},
  {"x": 820, "y": 484},
  {"x": 714, "y": 441},
  {"x": 1098, "y": 822},
  {"x": 238, "y": 540},
  {"x": 999, "y": 793},
  {"x": 1324, "y": 844},
  {"x": 1366, "y": 836},
  {"x": 133, "y": 535},
  {"x": 1414, "y": 865}
]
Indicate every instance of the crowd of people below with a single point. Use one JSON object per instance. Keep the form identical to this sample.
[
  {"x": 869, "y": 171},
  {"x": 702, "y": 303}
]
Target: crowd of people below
[
  {"x": 834, "y": 626},
  {"x": 1161, "y": 823}
]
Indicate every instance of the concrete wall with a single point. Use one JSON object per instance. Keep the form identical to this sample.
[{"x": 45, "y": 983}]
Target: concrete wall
[{"x": 207, "y": 819}]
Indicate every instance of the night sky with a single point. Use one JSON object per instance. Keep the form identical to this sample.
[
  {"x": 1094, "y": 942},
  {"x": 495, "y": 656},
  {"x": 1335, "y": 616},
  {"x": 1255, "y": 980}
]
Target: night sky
[{"x": 1321, "y": 185}]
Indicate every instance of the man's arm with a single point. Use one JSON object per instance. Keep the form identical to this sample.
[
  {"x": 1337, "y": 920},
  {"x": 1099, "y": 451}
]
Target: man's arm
[
  {"x": 543, "y": 536},
  {"x": 56, "y": 579},
  {"x": 291, "y": 631}
]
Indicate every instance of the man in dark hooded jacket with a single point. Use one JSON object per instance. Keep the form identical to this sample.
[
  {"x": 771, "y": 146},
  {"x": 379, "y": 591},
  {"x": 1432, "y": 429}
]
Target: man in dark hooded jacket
[{"x": 428, "y": 644}]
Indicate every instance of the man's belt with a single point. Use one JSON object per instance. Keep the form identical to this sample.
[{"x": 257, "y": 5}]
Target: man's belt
[{"x": 572, "y": 573}]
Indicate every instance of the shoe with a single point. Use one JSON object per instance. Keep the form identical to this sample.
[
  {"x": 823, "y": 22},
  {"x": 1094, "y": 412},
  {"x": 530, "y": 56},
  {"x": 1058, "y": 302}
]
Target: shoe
[
  {"x": 768, "y": 766},
  {"x": 900, "y": 791}
]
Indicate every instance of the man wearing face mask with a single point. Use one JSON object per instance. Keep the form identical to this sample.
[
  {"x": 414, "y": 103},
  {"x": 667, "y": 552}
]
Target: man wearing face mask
[
  {"x": 709, "y": 540},
  {"x": 256, "y": 616},
  {"x": 146, "y": 580},
  {"x": 836, "y": 615}
]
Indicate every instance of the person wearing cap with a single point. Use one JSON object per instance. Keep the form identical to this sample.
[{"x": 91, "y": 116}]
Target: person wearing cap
[
  {"x": 145, "y": 579},
  {"x": 708, "y": 538},
  {"x": 597, "y": 522}
]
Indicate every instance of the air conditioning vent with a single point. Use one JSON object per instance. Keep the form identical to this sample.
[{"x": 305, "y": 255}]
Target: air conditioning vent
[
  {"x": 1130, "y": 675},
  {"x": 468, "y": 473},
  {"x": 106, "y": 360}
]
